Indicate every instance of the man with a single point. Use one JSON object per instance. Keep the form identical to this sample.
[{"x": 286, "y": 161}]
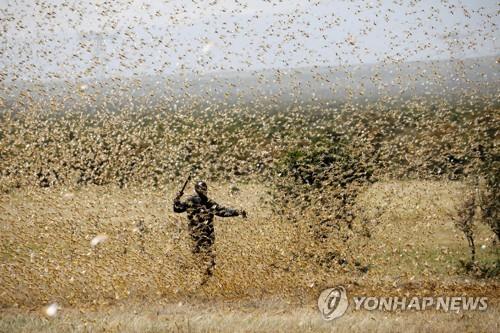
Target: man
[{"x": 201, "y": 211}]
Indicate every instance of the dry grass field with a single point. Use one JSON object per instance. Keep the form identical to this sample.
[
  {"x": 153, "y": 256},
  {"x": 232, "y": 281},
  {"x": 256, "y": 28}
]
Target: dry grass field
[
  {"x": 143, "y": 278},
  {"x": 254, "y": 316}
]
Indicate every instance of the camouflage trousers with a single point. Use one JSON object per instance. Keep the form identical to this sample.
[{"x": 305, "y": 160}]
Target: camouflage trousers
[{"x": 203, "y": 250}]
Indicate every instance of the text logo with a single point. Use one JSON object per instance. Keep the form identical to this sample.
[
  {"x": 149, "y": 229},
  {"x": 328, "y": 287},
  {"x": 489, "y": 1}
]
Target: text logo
[{"x": 333, "y": 303}]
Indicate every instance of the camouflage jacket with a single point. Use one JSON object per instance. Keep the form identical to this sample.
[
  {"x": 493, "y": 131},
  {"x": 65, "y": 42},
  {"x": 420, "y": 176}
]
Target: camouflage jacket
[{"x": 201, "y": 212}]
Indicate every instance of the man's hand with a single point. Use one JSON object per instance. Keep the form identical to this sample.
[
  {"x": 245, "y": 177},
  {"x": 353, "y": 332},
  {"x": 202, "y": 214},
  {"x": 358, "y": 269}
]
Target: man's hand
[
  {"x": 243, "y": 213},
  {"x": 178, "y": 196}
]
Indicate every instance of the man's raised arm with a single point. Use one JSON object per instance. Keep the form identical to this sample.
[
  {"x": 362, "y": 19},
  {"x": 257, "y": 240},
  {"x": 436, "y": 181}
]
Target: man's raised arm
[{"x": 179, "y": 206}]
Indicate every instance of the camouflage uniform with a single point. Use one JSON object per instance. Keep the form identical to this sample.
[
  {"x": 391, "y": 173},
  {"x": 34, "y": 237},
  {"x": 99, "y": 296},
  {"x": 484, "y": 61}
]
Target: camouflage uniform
[{"x": 201, "y": 211}]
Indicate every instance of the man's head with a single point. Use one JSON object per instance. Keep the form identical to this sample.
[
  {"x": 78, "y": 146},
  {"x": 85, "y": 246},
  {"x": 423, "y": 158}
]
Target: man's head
[{"x": 201, "y": 188}]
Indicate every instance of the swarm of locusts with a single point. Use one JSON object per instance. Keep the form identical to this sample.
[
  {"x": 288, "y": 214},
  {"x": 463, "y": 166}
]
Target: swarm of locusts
[
  {"x": 103, "y": 225},
  {"x": 90, "y": 167}
]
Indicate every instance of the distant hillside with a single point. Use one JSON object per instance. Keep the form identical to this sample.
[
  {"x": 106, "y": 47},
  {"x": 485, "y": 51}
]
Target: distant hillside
[{"x": 367, "y": 82}]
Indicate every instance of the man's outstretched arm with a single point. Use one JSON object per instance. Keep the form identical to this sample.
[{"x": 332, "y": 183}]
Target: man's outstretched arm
[{"x": 226, "y": 211}]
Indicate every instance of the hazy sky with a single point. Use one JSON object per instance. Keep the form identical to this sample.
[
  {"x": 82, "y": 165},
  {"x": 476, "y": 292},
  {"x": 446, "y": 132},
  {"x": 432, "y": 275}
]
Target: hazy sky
[{"x": 70, "y": 39}]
